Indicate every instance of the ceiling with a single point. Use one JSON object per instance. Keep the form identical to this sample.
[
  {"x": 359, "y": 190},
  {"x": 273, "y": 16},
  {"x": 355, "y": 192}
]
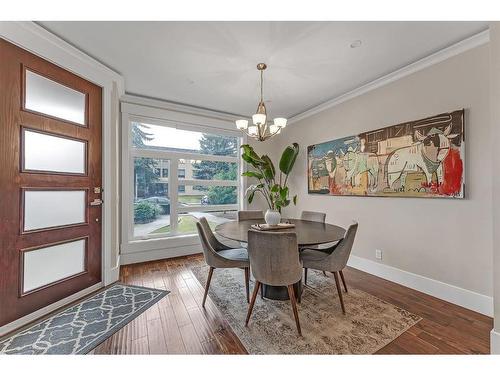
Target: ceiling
[{"x": 213, "y": 64}]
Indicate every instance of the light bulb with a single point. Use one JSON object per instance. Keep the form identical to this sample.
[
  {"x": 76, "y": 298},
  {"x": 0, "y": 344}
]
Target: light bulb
[
  {"x": 274, "y": 128},
  {"x": 280, "y": 121},
  {"x": 259, "y": 119},
  {"x": 242, "y": 124},
  {"x": 252, "y": 130}
]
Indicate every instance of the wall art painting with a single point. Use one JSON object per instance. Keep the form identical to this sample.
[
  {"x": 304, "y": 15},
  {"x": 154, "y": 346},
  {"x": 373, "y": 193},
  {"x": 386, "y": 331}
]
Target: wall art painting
[{"x": 423, "y": 158}]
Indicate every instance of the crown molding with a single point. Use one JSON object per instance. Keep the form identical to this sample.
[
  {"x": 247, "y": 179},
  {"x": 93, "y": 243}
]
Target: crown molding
[
  {"x": 38, "y": 40},
  {"x": 437, "y": 57}
]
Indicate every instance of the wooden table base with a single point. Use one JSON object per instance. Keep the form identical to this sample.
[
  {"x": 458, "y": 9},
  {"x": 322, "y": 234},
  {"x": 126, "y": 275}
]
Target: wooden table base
[{"x": 280, "y": 293}]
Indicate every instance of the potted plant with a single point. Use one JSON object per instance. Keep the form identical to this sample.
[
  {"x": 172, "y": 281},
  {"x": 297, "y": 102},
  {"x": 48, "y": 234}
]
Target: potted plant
[{"x": 271, "y": 186}]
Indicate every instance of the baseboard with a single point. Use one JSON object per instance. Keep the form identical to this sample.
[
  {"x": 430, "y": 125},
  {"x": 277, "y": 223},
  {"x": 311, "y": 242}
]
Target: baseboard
[
  {"x": 149, "y": 255},
  {"x": 450, "y": 293},
  {"x": 47, "y": 309},
  {"x": 494, "y": 342}
]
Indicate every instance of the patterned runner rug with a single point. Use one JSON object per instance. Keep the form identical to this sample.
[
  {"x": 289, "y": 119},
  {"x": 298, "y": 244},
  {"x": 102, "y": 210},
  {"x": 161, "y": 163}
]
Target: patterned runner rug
[
  {"x": 369, "y": 323},
  {"x": 81, "y": 327}
]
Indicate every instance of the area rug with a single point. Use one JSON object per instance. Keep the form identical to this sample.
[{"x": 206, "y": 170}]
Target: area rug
[
  {"x": 369, "y": 323},
  {"x": 83, "y": 326}
]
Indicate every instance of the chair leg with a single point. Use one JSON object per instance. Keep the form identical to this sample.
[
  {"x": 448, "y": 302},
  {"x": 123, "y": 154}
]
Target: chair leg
[
  {"x": 261, "y": 291},
  {"x": 305, "y": 276},
  {"x": 343, "y": 280},
  {"x": 210, "y": 273},
  {"x": 335, "y": 274},
  {"x": 252, "y": 301},
  {"x": 291, "y": 294},
  {"x": 247, "y": 283}
]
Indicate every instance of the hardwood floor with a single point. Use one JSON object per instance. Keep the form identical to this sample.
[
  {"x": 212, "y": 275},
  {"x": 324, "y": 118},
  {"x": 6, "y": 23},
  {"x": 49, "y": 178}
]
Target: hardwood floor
[{"x": 178, "y": 324}]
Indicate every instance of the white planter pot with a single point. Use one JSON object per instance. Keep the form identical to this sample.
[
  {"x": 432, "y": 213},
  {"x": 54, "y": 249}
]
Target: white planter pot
[{"x": 272, "y": 217}]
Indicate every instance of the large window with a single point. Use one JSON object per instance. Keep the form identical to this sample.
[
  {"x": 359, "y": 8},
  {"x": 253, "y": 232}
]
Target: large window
[{"x": 180, "y": 175}]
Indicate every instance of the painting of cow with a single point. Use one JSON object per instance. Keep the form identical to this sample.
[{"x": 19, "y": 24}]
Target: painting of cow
[
  {"x": 426, "y": 155},
  {"x": 422, "y": 158},
  {"x": 356, "y": 163}
]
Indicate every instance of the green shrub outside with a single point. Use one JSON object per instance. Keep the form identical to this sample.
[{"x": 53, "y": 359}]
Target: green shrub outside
[{"x": 146, "y": 212}]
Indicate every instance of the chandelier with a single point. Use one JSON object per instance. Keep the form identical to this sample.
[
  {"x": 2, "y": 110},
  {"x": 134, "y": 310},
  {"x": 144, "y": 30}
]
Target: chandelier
[{"x": 260, "y": 128}]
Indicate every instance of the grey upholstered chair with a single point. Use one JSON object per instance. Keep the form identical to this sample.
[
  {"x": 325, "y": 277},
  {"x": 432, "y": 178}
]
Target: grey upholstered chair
[
  {"x": 274, "y": 260},
  {"x": 320, "y": 217},
  {"x": 250, "y": 215},
  {"x": 218, "y": 255},
  {"x": 313, "y": 216},
  {"x": 334, "y": 262}
]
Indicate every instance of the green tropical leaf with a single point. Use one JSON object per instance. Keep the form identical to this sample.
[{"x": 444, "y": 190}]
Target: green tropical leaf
[
  {"x": 246, "y": 148},
  {"x": 284, "y": 192},
  {"x": 269, "y": 170},
  {"x": 295, "y": 200},
  {"x": 250, "y": 197},
  {"x": 253, "y": 174},
  {"x": 288, "y": 158},
  {"x": 249, "y": 160},
  {"x": 268, "y": 173},
  {"x": 275, "y": 188},
  {"x": 250, "y": 189},
  {"x": 251, "y": 156}
]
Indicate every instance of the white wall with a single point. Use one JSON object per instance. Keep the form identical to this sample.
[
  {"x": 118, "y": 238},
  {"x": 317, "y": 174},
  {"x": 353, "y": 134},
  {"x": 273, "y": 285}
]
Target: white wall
[
  {"x": 445, "y": 240},
  {"x": 495, "y": 139}
]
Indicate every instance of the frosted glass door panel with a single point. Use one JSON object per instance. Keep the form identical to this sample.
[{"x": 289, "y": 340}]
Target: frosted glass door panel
[
  {"x": 53, "y": 263},
  {"x": 53, "y": 208},
  {"x": 51, "y": 98},
  {"x": 48, "y": 153}
]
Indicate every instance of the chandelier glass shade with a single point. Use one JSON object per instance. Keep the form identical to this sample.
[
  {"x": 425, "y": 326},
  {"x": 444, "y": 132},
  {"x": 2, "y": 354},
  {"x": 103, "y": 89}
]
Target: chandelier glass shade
[{"x": 260, "y": 128}]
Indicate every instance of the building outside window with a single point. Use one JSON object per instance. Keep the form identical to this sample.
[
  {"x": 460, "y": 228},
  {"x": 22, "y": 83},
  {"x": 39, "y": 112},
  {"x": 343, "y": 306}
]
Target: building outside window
[{"x": 180, "y": 175}]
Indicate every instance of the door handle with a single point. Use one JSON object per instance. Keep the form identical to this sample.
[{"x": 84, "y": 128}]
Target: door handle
[{"x": 96, "y": 202}]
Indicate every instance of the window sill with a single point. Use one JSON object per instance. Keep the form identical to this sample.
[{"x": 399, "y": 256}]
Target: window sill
[{"x": 159, "y": 243}]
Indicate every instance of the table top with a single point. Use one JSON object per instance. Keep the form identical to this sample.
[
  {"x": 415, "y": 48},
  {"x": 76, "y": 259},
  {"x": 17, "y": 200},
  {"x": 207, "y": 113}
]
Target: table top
[{"x": 308, "y": 232}]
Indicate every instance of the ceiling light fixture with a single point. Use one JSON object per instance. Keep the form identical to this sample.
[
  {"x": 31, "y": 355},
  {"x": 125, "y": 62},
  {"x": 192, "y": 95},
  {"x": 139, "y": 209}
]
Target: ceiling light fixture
[
  {"x": 260, "y": 128},
  {"x": 356, "y": 44}
]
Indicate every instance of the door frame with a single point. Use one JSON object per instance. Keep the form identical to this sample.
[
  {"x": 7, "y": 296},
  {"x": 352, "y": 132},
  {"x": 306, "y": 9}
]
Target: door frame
[{"x": 37, "y": 40}]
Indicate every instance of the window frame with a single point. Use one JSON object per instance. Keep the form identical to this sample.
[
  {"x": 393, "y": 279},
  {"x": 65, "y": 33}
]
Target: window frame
[{"x": 131, "y": 243}]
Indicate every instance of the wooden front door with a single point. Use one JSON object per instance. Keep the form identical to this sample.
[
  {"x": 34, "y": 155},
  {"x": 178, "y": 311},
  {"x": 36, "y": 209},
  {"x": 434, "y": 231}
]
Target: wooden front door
[{"x": 50, "y": 183}]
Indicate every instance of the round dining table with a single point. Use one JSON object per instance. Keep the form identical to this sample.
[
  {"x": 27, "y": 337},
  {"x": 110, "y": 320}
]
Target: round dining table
[{"x": 309, "y": 233}]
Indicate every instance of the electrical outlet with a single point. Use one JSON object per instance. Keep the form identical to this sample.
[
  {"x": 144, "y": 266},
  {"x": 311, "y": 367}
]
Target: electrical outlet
[{"x": 378, "y": 254}]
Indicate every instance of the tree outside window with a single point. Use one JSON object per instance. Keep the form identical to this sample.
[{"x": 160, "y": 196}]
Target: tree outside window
[{"x": 210, "y": 170}]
